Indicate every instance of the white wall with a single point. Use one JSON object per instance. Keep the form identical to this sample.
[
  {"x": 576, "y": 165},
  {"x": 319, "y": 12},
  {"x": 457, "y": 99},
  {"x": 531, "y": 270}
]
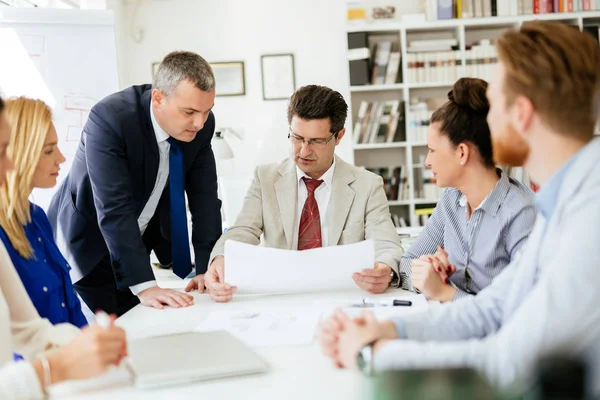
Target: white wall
[
  {"x": 243, "y": 30},
  {"x": 230, "y": 30}
]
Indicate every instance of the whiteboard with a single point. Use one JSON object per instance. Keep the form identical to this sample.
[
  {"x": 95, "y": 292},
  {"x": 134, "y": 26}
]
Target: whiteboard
[{"x": 66, "y": 58}]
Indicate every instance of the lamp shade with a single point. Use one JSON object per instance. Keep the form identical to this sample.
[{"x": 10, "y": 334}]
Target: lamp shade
[{"x": 220, "y": 147}]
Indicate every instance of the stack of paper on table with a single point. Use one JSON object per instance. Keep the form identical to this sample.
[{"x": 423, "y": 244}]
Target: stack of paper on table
[
  {"x": 257, "y": 269},
  {"x": 265, "y": 328}
]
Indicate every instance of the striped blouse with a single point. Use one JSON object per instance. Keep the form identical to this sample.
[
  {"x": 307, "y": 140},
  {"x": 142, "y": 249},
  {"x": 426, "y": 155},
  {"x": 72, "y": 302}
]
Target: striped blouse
[{"x": 482, "y": 246}]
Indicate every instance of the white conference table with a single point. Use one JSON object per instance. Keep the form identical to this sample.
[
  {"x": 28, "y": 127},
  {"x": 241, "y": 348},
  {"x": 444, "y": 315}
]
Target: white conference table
[{"x": 296, "y": 372}]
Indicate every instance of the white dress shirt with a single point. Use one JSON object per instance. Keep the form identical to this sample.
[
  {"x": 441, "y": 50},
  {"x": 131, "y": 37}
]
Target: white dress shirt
[
  {"x": 159, "y": 186},
  {"x": 322, "y": 196},
  {"x": 22, "y": 330}
]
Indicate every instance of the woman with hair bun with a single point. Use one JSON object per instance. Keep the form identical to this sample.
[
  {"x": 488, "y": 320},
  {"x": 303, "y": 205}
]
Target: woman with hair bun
[{"x": 483, "y": 217}]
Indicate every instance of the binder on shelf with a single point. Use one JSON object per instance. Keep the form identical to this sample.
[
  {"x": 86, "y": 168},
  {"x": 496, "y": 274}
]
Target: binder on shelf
[{"x": 358, "y": 46}]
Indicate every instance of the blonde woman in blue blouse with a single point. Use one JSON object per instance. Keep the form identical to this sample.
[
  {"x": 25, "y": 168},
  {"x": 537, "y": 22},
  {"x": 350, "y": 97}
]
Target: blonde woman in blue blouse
[
  {"x": 75, "y": 355},
  {"x": 24, "y": 227}
]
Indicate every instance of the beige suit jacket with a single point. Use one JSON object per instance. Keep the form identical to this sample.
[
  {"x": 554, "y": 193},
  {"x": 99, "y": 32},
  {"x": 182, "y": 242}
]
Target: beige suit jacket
[{"x": 358, "y": 210}]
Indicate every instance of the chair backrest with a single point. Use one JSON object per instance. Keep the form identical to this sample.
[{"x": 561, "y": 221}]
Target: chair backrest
[{"x": 232, "y": 191}]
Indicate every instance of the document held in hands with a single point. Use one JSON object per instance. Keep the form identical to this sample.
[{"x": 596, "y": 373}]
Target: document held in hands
[{"x": 262, "y": 270}]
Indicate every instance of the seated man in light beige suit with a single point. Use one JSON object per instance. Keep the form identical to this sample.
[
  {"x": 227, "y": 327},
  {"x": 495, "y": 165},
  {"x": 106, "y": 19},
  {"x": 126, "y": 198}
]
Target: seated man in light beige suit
[{"x": 313, "y": 199}]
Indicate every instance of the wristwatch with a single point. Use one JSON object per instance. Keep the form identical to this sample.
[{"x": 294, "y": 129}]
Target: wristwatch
[
  {"x": 395, "y": 281},
  {"x": 364, "y": 359}
]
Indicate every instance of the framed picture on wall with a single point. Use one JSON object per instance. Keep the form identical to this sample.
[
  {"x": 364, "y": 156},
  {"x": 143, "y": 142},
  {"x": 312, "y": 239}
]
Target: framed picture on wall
[
  {"x": 278, "y": 76},
  {"x": 230, "y": 78},
  {"x": 154, "y": 68}
]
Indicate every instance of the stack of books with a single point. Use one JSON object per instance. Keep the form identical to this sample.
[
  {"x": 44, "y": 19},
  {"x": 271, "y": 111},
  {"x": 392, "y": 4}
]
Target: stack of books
[
  {"x": 373, "y": 59},
  {"x": 436, "y": 60},
  {"x": 450, "y": 9},
  {"x": 418, "y": 116},
  {"x": 380, "y": 122},
  {"x": 395, "y": 182},
  {"x": 480, "y": 60}
]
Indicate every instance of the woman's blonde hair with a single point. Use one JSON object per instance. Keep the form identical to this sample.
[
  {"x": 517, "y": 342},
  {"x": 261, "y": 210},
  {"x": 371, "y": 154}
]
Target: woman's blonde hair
[{"x": 30, "y": 122}]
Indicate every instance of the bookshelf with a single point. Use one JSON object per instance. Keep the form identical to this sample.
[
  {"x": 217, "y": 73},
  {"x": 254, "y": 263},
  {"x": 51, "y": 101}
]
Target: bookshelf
[{"x": 425, "y": 75}]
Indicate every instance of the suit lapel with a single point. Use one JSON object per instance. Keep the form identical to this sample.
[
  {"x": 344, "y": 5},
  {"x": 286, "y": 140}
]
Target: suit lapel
[
  {"x": 286, "y": 190},
  {"x": 151, "y": 158},
  {"x": 342, "y": 197}
]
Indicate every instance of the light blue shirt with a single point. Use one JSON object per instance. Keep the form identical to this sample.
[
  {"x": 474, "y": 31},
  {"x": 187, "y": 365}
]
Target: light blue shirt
[
  {"x": 548, "y": 195},
  {"x": 545, "y": 302}
]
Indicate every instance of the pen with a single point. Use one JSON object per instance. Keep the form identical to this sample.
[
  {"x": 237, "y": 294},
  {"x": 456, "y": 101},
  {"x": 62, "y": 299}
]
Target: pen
[
  {"x": 103, "y": 319},
  {"x": 386, "y": 302}
]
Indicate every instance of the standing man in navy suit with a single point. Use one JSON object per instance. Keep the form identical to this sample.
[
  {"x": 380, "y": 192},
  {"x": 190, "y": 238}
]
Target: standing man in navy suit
[{"x": 140, "y": 150}]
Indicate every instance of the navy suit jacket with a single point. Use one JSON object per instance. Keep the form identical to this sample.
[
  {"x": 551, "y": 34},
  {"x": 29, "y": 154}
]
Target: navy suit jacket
[{"x": 95, "y": 211}]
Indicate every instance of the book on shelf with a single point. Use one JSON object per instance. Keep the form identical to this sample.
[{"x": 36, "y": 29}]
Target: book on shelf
[
  {"x": 399, "y": 222},
  {"x": 446, "y": 65},
  {"x": 382, "y": 57},
  {"x": 451, "y": 9},
  {"x": 426, "y": 187},
  {"x": 423, "y": 214},
  {"x": 424, "y": 211},
  {"x": 419, "y": 115},
  {"x": 374, "y": 59},
  {"x": 395, "y": 182},
  {"x": 439, "y": 66},
  {"x": 380, "y": 122},
  {"x": 359, "y": 56},
  {"x": 385, "y": 60},
  {"x": 480, "y": 59}
]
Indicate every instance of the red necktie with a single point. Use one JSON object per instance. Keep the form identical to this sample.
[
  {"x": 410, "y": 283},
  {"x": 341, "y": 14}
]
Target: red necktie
[{"x": 309, "y": 234}]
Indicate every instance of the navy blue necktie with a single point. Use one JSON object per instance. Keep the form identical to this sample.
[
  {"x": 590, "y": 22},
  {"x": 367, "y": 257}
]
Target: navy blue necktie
[{"x": 180, "y": 244}]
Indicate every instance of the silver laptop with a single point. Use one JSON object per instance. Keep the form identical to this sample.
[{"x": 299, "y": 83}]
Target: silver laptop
[{"x": 189, "y": 357}]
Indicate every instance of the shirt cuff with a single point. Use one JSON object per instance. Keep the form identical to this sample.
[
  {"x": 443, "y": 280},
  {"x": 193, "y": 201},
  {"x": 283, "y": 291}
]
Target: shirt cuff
[
  {"x": 405, "y": 273},
  {"x": 213, "y": 259},
  {"x": 137, "y": 289},
  {"x": 20, "y": 381},
  {"x": 460, "y": 294},
  {"x": 400, "y": 327}
]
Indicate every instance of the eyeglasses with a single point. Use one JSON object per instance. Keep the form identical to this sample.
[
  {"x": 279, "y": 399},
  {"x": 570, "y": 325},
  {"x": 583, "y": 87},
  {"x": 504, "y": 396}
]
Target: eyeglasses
[{"x": 299, "y": 140}]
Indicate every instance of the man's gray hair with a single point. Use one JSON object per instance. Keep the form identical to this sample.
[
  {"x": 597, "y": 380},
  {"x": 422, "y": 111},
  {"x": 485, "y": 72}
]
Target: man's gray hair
[{"x": 183, "y": 65}]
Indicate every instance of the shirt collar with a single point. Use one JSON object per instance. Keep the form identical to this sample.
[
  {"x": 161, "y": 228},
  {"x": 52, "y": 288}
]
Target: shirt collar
[
  {"x": 161, "y": 135},
  {"x": 547, "y": 197},
  {"x": 494, "y": 199},
  {"x": 327, "y": 177}
]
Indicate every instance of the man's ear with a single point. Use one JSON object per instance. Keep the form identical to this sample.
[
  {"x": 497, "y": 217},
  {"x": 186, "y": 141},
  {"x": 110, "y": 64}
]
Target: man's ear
[
  {"x": 523, "y": 112},
  {"x": 340, "y": 136},
  {"x": 157, "y": 97}
]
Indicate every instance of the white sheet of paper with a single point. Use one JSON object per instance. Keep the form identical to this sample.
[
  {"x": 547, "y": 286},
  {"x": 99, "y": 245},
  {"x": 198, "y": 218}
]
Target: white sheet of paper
[
  {"x": 257, "y": 269},
  {"x": 112, "y": 378},
  {"x": 265, "y": 328}
]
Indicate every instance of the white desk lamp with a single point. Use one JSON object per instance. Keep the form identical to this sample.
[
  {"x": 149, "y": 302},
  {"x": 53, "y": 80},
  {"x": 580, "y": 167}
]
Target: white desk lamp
[{"x": 221, "y": 148}]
